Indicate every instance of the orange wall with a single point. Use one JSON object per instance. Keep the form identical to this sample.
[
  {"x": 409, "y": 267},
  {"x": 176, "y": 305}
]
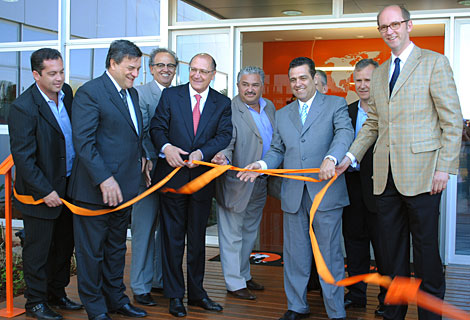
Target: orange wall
[{"x": 326, "y": 53}]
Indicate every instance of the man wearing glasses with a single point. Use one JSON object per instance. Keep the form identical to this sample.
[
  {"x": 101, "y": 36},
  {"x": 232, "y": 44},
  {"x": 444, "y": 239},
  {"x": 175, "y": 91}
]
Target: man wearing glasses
[
  {"x": 414, "y": 114},
  {"x": 192, "y": 122},
  {"x": 146, "y": 267}
]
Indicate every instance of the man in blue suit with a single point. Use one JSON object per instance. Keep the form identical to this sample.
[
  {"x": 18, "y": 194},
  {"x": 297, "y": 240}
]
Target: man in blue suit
[
  {"x": 107, "y": 135},
  {"x": 192, "y": 122}
]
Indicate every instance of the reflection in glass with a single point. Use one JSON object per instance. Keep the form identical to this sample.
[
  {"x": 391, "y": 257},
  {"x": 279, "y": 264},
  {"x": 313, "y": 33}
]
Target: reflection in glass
[
  {"x": 9, "y": 31},
  {"x": 186, "y": 12},
  {"x": 8, "y": 82},
  {"x": 115, "y": 18},
  {"x": 26, "y": 76},
  {"x": 462, "y": 241},
  {"x": 36, "y": 34}
]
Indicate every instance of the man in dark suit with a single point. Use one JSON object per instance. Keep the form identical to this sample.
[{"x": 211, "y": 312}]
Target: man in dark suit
[
  {"x": 360, "y": 217},
  {"x": 146, "y": 267},
  {"x": 192, "y": 122},
  {"x": 107, "y": 134},
  {"x": 42, "y": 148}
]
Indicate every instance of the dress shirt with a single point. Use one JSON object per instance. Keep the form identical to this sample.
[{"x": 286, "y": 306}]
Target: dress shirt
[
  {"x": 129, "y": 102},
  {"x": 360, "y": 119},
  {"x": 263, "y": 124},
  {"x": 62, "y": 117},
  {"x": 160, "y": 86}
]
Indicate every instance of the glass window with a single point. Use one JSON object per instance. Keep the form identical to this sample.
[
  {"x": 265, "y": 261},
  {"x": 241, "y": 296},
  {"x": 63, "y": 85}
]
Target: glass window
[
  {"x": 12, "y": 10},
  {"x": 9, "y": 31},
  {"x": 43, "y": 14},
  {"x": 187, "y": 12},
  {"x": 462, "y": 233},
  {"x": 36, "y": 34},
  {"x": 8, "y": 82},
  {"x": 365, "y": 6},
  {"x": 26, "y": 76},
  {"x": 128, "y": 18}
]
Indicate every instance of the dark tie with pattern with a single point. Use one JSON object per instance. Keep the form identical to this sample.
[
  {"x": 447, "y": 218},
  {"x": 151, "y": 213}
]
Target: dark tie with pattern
[
  {"x": 395, "y": 74},
  {"x": 124, "y": 97}
]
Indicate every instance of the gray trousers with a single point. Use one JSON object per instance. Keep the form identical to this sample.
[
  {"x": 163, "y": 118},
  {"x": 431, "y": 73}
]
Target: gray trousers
[
  {"x": 298, "y": 257},
  {"x": 237, "y": 236},
  {"x": 146, "y": 264}
]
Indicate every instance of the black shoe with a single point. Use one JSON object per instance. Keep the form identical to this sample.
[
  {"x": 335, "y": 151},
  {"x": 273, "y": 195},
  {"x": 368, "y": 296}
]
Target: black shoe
[
  {"x": 145, "y": 299},
  {"x": 157, "y": 290},
  {"x": 129, "y": 310},
  {"x": 292, "y": 315},
  {"x": 380, "y": 310},
  {"x": 351, "y": 304},
  {"x": 206, "y": 303},
  {"x": 253, "y": 285},
  {"x": 103, "y": 316},
  {"x": 177, "y": 307},
  {"x": 43, "y": 312},
  {"x": 243, "y": 293},
  {"x": 64, "y": 303}
]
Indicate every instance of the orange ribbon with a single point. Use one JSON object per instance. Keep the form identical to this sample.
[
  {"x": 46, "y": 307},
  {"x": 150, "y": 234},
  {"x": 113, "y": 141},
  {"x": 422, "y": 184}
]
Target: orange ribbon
[{"x": 400, "y": 290}]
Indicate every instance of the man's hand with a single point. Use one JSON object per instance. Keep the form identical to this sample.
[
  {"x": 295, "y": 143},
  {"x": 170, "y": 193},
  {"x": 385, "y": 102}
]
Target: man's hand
[
  {"x": 147, "y": 170},
  {"x": 245, "y": 176},
  {"x": 220, "y": 159},
  {"x": 343, "y": 166},
  {"x": 111, "y": 191},
  {"x": 52, "y": 200},
  {"x": 195, "y": 155},
  {"x": 144, "y": 162},
  {"x": 173, "y": 156},
  {"x": 439, "y": 182},
  {"x": 327, "y": 169}
]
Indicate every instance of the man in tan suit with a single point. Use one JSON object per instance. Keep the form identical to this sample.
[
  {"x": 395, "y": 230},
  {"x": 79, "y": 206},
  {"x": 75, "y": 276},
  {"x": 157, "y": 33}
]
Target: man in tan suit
[
  {"x": 414, "y": 113},
  {"x": 239, "y": 204}
]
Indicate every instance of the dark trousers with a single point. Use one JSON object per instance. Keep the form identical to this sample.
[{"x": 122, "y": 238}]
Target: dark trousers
[
  {"x": 398, "y": 216},
  {"x": 183, "y": 216},
  {"x": 359, "y": 231},
  {"x": 47, "y": 251},
  {"x": 100, "y": 248}
]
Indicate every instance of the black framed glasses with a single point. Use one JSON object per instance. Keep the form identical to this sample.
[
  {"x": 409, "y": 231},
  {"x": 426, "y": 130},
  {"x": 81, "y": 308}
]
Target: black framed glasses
[
  {"x": 170, "y": 66},
  {"x": 395, "y": 25}
]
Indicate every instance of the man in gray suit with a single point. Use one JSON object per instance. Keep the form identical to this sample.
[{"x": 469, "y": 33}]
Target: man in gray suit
[
  {"x": 240, "y": 205},
  {"x": 314, "y": 131},
  {"x": 146, "y": 266}
]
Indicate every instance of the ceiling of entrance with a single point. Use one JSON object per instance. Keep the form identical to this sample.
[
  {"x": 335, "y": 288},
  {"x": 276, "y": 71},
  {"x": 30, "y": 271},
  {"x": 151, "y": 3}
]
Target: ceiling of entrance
[{"x": 235, "y": 9}]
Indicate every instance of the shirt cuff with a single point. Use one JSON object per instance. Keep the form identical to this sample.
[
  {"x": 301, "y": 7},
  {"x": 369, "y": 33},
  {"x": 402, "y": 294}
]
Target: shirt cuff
[
  {"x": 332, "y": 159},
  {"x": 352, "y": 158},
  {"x": 263, "y": 164}
]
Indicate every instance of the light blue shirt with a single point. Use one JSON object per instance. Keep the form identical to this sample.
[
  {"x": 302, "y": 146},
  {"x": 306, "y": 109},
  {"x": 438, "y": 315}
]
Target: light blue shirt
[
  {"x": 263, "y": 124},
  {"x": 62, "y": 117},
  {"x": 361, "y": 118}
]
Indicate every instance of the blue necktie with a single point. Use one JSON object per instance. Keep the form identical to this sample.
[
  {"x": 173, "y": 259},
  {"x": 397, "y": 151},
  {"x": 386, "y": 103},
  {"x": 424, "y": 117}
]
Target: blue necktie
[
  {"x": 303, "y": 113},
  {"x": 395, "y": 74}
]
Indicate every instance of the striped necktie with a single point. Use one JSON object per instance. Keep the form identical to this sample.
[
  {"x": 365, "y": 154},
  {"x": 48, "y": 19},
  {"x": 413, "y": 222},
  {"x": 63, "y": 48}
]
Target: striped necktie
[{"x": 303, "y": 113}]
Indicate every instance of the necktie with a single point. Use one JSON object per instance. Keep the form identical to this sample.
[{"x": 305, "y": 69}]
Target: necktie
[
  {"x": 196, "y": 113},
  {"x": 395, "y": 74},
  {"x": 303, "y": 113},
  {"x": 124, "y": 97}
]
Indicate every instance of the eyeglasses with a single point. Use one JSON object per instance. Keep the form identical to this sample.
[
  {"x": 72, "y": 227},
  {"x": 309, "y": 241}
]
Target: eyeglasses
[
  {"x": 170, "y": 66},
  {"x": 395, "y": 25},
  {"x": 201, "y": 71}
]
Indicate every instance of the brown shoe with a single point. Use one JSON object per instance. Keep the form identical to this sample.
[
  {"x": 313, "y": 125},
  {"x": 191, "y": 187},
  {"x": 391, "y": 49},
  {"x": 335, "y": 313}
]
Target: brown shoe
[
  {"x": 252, "y": 285},
  {"x": 243, "y": 293}
]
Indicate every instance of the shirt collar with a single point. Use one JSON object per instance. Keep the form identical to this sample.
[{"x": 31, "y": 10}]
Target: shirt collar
[
  {"x": 203, "y": 94},
  {"x": 118, "y": 87},
  {"x": 309, "y": 102},
  {"x": 160, "y": 86},
  {"x": 262, "y": 104},
  {"x": 405, "y": 54},
  {"x": 61, "y": 95}
]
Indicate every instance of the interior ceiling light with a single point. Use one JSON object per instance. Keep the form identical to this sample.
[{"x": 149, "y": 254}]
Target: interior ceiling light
[
  {"x": 464, "y": 2},
  {"x": 10, "y": 0},
  {"x": 278, "y": 39},
  {"x": 292, "y": 12}
]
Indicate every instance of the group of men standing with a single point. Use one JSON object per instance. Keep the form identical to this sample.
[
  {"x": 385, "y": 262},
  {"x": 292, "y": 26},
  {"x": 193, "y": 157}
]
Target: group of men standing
[{"x": 114, "y": 141}]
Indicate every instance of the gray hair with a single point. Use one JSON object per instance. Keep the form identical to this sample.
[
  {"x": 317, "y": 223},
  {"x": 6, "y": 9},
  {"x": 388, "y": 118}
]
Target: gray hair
[
  {"x": 323, "y": 77},
  {"x": 159, "y": 50},
  {"x": 404, "y": 12},
  {"x": 251, "y": 70},
  {"x": 364, "y": 63}
]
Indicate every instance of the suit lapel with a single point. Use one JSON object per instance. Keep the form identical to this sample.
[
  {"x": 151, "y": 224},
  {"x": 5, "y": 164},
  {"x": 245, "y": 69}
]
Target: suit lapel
[
  {"x": 155, "y": 89},
  {"x": 138, "y": 114},
  {"x": 294, "y": 115},
  {"x": 246, "y": 115},
  {"x": 184, "y": 104},
  {"x": 410, "y": 65},
  {"x": 117, "y": 100},
  {"x": 44, "y": 109},
  {"x": 314, "y": 112},
  {"x": 353, "y": 110}
]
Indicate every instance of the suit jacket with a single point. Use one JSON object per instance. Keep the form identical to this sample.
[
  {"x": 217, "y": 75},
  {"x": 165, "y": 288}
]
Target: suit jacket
[
  {"x": 38, "y": 148},
  {"x": 245, "y": 147},
  {"x": 363, "y": 177},
  {"x": 173, "y": 123},
  {"x": 326, "y": 131},
  {"x": 106, "y": 142},
  {"x": 418, "y": 127},
  {"x": 149, "y": 96}
]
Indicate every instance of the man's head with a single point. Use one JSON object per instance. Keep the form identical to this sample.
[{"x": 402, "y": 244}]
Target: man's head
[
  {"x": 48, "y": 70},
  {"x": 250, "y": 82},
  {"x": 362, "y": 76},
  {"x": 301, "y": 74},
  {"x": 163, "y": 63},
  {"x": 123, "y": 62},
  {"x": 201, "y": 71},
  {"x": 321, "y": 81},
  {"x": 394, "y": 24}
]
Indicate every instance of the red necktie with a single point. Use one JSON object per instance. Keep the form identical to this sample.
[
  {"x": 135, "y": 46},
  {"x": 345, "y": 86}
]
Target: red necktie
[{"x": 196, "y": 113}]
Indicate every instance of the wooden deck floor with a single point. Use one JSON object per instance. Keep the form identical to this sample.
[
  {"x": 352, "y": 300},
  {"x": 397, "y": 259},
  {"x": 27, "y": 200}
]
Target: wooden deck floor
[{"x": 271, "y": 302}]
